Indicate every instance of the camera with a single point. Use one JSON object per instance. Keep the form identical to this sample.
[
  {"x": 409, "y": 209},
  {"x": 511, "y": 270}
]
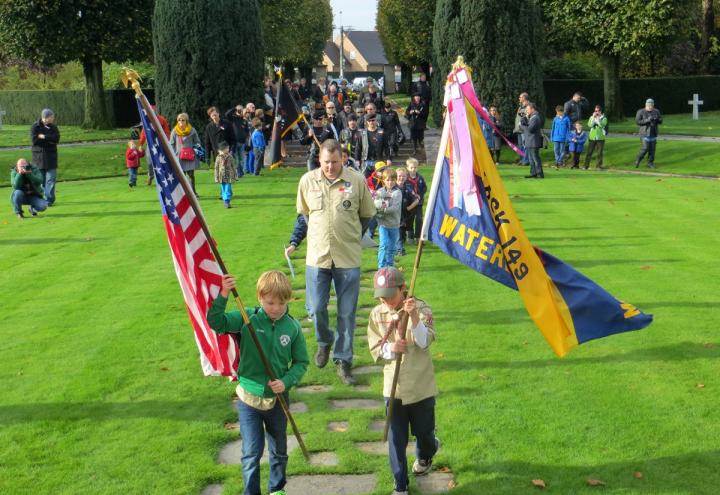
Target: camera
[{"x": 26, "y": 167}]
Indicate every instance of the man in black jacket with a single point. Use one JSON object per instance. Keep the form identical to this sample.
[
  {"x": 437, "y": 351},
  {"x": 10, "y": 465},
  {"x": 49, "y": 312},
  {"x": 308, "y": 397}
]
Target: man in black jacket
[
  {"x": 318, "y": 133},
  {"x": 216, "y": 132},
  {"x": 577, "y": 108},
  {"x": 648, "y": 119},
  {"x": 423, "y": 87},
  {"x": 531, "y": 125},
  {"x": 241, "y": 130},
  {"x": 45, "y": 137}
]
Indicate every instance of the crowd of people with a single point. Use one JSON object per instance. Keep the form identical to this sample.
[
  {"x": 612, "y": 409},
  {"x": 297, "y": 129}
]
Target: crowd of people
[
  {"x": 350, "y": 192},
  {"x": 569, "y": 136}
]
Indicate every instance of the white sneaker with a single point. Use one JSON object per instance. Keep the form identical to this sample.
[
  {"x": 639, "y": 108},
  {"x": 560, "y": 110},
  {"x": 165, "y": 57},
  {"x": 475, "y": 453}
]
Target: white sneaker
[
  {"x": 395, "y": 492},
  {"x": 422, "y": 467}
]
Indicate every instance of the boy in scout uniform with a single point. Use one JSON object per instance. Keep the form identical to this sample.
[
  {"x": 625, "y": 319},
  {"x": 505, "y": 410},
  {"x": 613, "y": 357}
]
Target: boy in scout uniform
[
  {"x": 414, "y": 403},
  {"x": 338, "y": 205}
]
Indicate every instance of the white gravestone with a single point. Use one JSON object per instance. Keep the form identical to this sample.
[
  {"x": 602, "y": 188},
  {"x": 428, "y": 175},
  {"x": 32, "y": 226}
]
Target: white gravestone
[
  {"x": 696, "y": 102},
  {"x": 2, "y": 112}
]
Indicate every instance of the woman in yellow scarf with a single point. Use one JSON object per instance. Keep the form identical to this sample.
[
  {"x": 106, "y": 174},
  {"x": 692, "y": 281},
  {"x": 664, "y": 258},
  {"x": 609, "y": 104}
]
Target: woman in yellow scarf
[{"x": 182, "y": 139}]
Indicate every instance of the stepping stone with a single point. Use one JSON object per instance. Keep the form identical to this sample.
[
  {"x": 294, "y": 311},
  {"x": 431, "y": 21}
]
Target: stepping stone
[
  {"x": 381, "y": 448},
  {"x": 367, "y": 370},
  {"x": 356, "y": 404},
  {"x": 435, "y": 482},
  {"x": 338, "y": 426},
  {"x": 314, "y": 389},
  {"x": 331, "y": 484},
  {"x": 214, "y": 489},
  {"x": 324, "y": 459},
  {"x": 231, "y": 453},
  {"x": 377, "y": 425},
  {"x": 298, "y": 407}
]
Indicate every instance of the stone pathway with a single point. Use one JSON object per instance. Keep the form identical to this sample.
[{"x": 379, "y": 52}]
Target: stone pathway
[{"x": 343, "y": 401}]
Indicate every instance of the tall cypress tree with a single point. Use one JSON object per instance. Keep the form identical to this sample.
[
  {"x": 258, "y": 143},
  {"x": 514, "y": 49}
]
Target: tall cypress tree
[
  {"x": 207, "y": 52},
  {"x": 501, "y": 40}
]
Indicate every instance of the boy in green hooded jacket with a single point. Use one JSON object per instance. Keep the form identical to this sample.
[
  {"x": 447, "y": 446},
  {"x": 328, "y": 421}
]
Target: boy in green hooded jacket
[{"x": 283, "y": 343}]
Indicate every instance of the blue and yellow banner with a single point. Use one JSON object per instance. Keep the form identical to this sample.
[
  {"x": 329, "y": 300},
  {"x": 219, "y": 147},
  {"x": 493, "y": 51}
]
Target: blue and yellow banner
[{"x": 475, "y": 222}]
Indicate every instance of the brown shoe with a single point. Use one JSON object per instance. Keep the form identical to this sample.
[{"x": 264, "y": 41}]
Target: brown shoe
[
  {"x": 345, "y": 373},
  {"x": 322, "y": 355}
]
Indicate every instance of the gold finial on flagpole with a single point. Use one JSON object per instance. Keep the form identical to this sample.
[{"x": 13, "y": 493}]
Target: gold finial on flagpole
[
  {"x": 460, "y": 64},
  {"x": 132, "y": 78}
]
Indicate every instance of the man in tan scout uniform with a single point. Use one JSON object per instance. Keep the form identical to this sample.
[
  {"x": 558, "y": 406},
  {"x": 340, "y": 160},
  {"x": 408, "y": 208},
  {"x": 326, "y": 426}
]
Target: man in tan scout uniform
[{"x": 338, "y": 205}]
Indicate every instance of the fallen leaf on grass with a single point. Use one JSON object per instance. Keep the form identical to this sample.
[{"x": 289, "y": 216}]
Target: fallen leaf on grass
[
  {"x": 708, "y": 345},
  {"x": 164, "y": 369},
  {"x": 445, "y": 469},
  {"x": 483, "y": 376},
  {"x": 700, "y": 385},
  {"x": 439, "y": 355},
  {"x": 638, "y": 475},
  {"x": 592, "y": 482},
  {"x": 538, "y": 483},
  {"x": 647, "y": 267},
  {"x": 452, "y": 484},
  {"x": 232, "y": 426}
]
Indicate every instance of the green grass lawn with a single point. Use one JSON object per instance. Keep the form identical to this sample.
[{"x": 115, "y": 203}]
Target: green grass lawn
[
  {"x": 19, "y": 135},
  {"x": 672, "y": 156},
  {"x": 102, "y": 391}
]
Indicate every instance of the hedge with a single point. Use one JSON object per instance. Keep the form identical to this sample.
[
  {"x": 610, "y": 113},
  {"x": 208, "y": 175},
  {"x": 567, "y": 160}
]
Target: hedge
[
  {"x": 24, "y": 107},
  {"x": 671, "y": 94}
]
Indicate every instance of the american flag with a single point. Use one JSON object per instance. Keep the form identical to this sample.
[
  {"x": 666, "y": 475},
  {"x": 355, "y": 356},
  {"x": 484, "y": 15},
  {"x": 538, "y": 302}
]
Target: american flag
[{"x": 197, "y": 269}]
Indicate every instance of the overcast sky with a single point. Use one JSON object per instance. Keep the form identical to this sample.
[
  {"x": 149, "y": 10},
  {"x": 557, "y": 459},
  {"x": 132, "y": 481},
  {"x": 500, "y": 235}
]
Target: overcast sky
[{"x": 358, "y": 14}]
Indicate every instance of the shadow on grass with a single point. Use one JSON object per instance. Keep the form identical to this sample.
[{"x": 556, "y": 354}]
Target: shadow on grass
[
  {"x": 128, "y": 213},
  {"x": 48, "y": 240},
  {"x": 682, "y": 351},
  {"x": 566, "y": 199},
  {"x": 593, "y": 263},
  {"x": 98, "y": 411},
  {"x": 683, "y": 473}
]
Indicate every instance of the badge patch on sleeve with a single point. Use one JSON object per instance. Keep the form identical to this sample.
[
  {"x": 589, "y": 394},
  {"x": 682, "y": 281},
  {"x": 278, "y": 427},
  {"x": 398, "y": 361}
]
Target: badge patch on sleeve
[
  {"x": 284, "y": 340},
  {"x": 346, "y": 204}
]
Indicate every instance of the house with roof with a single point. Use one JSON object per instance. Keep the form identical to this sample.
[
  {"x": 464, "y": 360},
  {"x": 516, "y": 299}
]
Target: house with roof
[{"x": 364, "y": 56}]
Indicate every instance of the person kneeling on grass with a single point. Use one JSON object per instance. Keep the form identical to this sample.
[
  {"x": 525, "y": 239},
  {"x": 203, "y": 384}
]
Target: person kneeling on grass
[
  {"x": 283, "y": 343},
  {"x": 414, "y": 403},
  {"x": 27, "y": 185},
  {"x": 225, "y": 172}
]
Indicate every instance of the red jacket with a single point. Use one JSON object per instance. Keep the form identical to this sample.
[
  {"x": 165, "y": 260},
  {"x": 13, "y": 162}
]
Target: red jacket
[
  {"x": 132, "y": 157},
  {"x": 163, "y": 123}
]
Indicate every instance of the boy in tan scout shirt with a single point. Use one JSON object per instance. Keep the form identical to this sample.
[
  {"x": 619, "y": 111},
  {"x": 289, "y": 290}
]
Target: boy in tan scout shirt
[{"x": 414, "y": 405}]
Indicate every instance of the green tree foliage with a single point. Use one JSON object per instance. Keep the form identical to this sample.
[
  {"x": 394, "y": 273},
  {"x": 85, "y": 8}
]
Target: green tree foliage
[
  {"x": 54, "y": 32},
  {"x": 615, "y": 29},
  {"x": 296, "y": 30},
  {"x": 207, "y": 52},
  {"x": 406, "y": 33},
  {"x": 501, "y": 40}
]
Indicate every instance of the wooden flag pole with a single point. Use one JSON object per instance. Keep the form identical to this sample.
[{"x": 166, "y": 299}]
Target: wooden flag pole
[
  {"x": 132, "y": 76},
  {"x": 402, "y": 327}
]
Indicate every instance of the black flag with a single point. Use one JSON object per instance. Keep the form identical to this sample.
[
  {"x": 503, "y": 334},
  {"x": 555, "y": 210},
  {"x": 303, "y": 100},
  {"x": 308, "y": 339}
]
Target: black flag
[{"x": 286, "y": 116}]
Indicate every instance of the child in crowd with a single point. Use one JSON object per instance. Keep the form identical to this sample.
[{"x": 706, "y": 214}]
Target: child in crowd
[
  {"x": 414, "y": 403},
  {"x": 132, "y": 162},
  {"x": 388, "y": 202},
  {"x": 282, "y": 341},
  {"x": 258, "y": 145},
  {"x": 374, "y": 180},
  {"x": 577, "y": 139},
  {"x": 496, "y": 142},
  {"x": 561, "y": 127},
  {"x": 348, "y": 160},
  {"x": 419, "y": 187},
  {"x": 225, "y": 172},
  {"x": 409, "y": 201}
]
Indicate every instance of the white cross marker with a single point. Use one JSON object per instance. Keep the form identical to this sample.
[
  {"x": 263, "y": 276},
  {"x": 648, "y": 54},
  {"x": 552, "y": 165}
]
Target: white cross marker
[{"x": 696, "y": 102}]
